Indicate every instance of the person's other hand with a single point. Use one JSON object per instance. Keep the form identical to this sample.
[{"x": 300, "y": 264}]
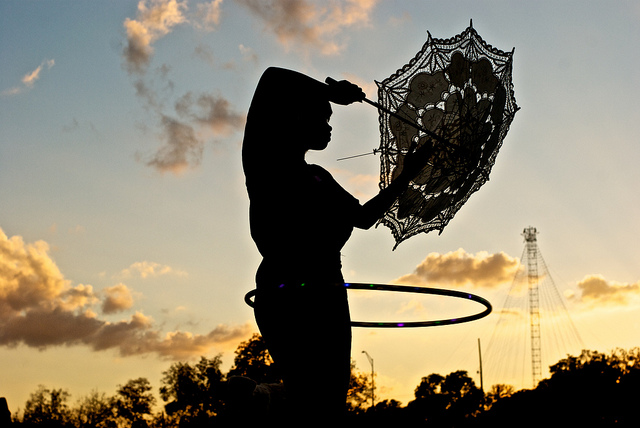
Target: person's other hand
[
  {"x": 344, "y": 92},
  {"x": 416, "y": 161}
]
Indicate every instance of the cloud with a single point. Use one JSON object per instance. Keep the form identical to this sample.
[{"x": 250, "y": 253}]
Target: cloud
[
  {"x": 458, "y": 268},
  {"x": 208, "y": 15},
  {"x": 596, "y": 290},
  {"x": 211, "y": 112},
  {"x": 147, "y": 95},
  {"x": 248, "y": 54},
  {"x": 306, "y": 25},
  {"x": 29, "y": 79},
  {"x": 182, "y": 147},
  {"x": 117, "y": 298},
  {"x": 199, "y": 117},
  {"x": 205, "y": 53},
  {"x": 181, "y": 345},
  {"x": 149, "y": 269},
  {"x": 138, "y": 337},
  {"x": 29, "y": 279},
  {"x": 40, "y": 308},
  {"x": 155, "y": 19},
  {"x": 12, "y": 91}
]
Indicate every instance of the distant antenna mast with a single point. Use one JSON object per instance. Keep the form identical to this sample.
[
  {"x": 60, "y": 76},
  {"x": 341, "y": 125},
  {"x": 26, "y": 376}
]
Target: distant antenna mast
[
  {"x": 480, "y": 358},
  {"x": 529, "y": 234}
]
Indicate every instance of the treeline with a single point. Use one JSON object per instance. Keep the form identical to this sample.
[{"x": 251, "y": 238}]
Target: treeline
[{"x": 593, "y": 389}]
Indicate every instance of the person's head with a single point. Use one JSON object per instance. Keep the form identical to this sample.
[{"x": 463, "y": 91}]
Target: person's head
[
  {"x": 288, "y": 116},
  {"x": 311, "y": 130}
]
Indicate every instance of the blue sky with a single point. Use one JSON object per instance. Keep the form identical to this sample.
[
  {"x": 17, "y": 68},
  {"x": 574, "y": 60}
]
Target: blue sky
[{"x": 125, "y": 241}]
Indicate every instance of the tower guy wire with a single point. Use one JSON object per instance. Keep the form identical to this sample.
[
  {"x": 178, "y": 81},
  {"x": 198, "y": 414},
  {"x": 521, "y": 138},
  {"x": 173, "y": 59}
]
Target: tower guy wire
[{"x": 534, "y": 327}]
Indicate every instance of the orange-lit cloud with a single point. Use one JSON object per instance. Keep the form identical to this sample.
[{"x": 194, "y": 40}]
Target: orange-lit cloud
[
  {"x": 459, "y": 268},
  {"x": 149, "y": 269},
  {"x": 40, "y": 308},
  {"x": 117, "y": 298},
  {"x": 596, "y": 290},
  {"x": 305, "y": 25},
  {"x": 155, "y": 19},
  {"x": 29, "y": 79}
]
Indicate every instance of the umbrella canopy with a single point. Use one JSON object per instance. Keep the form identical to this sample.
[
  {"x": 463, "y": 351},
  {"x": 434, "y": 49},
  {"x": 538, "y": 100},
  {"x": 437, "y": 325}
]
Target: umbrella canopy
[{"x": 456, "y": 96}]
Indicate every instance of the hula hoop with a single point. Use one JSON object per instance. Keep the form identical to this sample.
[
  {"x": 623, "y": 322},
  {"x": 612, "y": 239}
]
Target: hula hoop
[{"x": 409, "y": 289}]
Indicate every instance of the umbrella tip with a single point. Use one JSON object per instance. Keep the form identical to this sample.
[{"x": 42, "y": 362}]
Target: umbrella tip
[{"x": 471, "y": 22}]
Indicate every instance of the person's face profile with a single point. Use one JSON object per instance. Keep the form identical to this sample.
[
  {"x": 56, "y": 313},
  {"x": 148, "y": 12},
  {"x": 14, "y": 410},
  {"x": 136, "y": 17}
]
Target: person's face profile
[{"x": 316, "y": 128}]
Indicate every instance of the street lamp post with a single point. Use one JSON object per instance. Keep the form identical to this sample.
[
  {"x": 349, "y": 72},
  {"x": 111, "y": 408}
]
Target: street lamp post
[{"x": 372, "y": 377}]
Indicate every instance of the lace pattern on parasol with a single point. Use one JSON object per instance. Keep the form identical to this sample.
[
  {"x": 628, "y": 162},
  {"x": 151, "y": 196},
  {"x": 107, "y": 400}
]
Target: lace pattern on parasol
[{"x": 459, "y": 91}]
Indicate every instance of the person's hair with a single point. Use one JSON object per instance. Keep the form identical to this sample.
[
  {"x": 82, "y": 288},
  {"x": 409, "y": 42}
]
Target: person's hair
[{"x": 280, "y": 104}]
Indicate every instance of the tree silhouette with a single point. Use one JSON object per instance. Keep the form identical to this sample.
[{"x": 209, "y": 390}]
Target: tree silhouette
[
  {"x": 47, "y": 407},
  {"x": 359, "y": 392},
  {"x": 592, "y": 389},
  {"x": 196, "y": 391},
  {"x": 252, "y": 360},
  {"x": 465, "y": 398},
  {"x": 594, "y": 380},
  {"x": 386, "y": 413},
  {"x": 134, "y": 401},
  {"x": 95, "y": 410},
  {"x": 498, "y": 392},
  {"x": 429, "y": 386},
  {"x": 446, "y": 401},
  {"x": 430, "y": 405}
]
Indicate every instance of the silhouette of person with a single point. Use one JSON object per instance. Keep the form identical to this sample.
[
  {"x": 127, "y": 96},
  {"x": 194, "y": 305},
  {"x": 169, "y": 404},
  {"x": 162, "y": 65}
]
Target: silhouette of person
[{"x": 300, "y": 218}]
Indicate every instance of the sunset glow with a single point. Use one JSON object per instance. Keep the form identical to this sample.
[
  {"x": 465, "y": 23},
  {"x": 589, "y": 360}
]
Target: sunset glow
[{"x": 124, "y": 236}]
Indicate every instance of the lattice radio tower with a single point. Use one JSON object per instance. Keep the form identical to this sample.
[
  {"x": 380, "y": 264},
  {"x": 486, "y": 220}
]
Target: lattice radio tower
[
  {"x": 534, "y": 316},
  {"x": 531, "y": 243}
]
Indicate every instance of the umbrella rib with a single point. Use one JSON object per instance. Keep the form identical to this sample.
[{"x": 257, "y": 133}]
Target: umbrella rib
[{"x": 408, "y": 122}]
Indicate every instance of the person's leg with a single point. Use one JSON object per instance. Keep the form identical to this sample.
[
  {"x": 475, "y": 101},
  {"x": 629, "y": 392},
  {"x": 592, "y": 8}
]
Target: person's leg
[{"x": 308, "y": 334}]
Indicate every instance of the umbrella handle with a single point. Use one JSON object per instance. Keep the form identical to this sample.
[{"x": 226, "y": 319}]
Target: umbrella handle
[{"x": 408, "y": 122}]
